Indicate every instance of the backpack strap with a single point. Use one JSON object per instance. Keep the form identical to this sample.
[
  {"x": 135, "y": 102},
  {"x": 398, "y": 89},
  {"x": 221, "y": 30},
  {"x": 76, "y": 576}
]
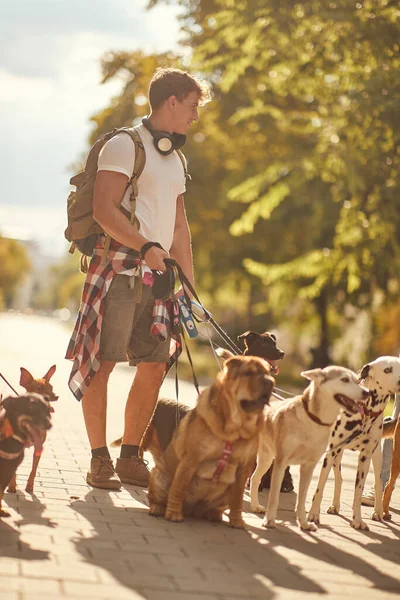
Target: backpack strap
[
  {"x": 184, "y": 164},
  {"x": 140, "y": 161}
]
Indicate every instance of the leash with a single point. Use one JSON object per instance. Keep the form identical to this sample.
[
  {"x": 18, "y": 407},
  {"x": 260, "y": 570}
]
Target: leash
[{"x": 9, "y": 384}]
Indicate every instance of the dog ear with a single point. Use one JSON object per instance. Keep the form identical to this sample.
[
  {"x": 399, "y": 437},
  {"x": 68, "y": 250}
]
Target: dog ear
[
  {"x": 247, "y": 334},
  {"x": 7, "y": 402},
  {"x": 363, "y": 374},
  {"x": 50, "y": 373},
  {"x": 25, "y": 378},
  {"x": 272, "y": 336},
  {"x": 314, "y": 375}
]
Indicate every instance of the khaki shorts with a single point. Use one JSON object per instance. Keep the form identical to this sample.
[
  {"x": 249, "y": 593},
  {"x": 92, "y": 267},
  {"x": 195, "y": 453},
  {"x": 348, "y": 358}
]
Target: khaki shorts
[{"x": 125, "y": 333}]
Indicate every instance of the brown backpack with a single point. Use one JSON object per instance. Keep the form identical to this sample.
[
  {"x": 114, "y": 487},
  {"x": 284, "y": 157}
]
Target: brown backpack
[{"x": 82, "y": 229}]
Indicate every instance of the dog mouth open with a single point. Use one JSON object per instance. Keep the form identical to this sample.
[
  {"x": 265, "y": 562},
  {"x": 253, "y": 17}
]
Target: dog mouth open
[
  {"x": 34, "y": 437},
  {"x": 347, "y": 403},
  {"x": 273, "y": 365}
]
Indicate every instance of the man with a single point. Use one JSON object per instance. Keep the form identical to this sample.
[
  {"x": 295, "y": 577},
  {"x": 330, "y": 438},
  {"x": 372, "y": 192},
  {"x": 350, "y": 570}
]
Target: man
[
  {"x": 368, "y": 498},
  {"x": 124, "y": 307}
]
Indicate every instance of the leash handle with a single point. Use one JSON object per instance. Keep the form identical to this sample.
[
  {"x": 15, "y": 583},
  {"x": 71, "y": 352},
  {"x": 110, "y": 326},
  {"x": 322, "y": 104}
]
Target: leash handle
[{"x": 185, "y": 282}]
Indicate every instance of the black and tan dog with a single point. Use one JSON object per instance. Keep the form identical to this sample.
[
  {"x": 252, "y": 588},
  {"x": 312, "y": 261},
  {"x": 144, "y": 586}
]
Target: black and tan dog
[
  {"x": 205, "y": 467},
  {"x": 43, "y": 387},
  {"x": 23, "y": 420}
]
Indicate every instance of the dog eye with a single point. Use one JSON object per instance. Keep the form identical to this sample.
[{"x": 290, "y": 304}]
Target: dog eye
[
  {"x": 388, "y": 370},
  {"x": 345, "y": 380}
]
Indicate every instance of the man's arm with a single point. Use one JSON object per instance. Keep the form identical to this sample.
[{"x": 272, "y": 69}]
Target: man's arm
[
  {"x": 181, "y": 249},
  {"x": 108, "y": 191}
]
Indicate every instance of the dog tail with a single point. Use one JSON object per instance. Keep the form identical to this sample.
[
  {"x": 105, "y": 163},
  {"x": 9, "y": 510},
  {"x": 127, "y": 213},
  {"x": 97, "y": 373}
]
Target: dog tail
[
  {"x": 225, "y": 354},
  {"x": 116, "y": 443},
  {"x": 388, "y": 428}
]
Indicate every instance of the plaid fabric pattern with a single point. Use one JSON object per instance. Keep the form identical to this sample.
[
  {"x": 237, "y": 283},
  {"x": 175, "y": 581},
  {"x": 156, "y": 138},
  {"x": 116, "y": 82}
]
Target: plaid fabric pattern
[{"x": 84, "y": 345}]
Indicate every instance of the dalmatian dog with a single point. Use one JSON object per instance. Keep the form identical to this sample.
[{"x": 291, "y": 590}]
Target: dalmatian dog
[{"x": 361, "y": 432}]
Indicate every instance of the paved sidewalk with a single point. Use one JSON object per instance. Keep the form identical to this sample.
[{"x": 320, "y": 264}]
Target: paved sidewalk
[{"x": 69, "y": 540}]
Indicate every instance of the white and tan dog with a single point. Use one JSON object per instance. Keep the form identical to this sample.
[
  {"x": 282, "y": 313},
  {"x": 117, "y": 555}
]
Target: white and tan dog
[
  {"x": 296, "y": 432},
  {"x": 363, "y": 433}
]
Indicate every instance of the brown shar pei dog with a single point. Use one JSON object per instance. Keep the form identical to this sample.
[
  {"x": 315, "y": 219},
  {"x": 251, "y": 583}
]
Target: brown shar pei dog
[{"x": 205, "y": 467}]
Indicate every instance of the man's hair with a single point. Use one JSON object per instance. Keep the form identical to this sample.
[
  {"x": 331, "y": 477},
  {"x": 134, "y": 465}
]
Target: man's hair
[{"x": 168, "y": 82}]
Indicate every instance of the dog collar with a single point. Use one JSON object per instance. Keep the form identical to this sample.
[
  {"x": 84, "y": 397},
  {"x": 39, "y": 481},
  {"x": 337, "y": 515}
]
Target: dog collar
[
  {"x": 223, "y": 461},
  {"x": 313, "y": 417}
]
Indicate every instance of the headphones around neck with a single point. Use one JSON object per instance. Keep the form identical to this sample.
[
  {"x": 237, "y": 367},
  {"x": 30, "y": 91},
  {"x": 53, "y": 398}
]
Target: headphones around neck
[{"x": 164, "y": 142}]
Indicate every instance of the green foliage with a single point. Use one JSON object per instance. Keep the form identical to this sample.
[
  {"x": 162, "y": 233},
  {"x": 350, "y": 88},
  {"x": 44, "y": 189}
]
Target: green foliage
[
  {"x": 295, "y": 163},
  {"x": 14, "y": 265}
]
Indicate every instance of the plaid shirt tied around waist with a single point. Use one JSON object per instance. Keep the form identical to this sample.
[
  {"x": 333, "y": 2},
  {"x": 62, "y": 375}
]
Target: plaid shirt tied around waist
[{"x": 84, "y": 345}]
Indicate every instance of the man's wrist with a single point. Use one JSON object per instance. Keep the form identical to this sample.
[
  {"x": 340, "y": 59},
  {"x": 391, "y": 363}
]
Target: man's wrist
[{"x": 147, "y": 247}]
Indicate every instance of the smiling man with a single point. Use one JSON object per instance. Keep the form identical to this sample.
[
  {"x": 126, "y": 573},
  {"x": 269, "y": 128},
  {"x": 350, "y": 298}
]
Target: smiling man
[{"x": 116, "y": 318}]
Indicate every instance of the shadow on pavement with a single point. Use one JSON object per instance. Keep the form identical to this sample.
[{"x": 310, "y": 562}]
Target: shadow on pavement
[{"x": 11, "y": 545}]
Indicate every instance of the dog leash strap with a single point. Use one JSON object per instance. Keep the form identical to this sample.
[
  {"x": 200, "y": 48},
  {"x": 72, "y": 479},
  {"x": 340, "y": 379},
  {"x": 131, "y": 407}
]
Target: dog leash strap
[
  {"x": 9, "y": 384},
  {"x": 195, "y": 381},
  {"x": 185, "y": 282},
  {"x": 223, "y": 461}
]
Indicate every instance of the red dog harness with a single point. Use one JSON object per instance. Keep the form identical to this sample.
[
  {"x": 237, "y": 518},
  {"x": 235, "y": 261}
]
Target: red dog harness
[{"x": 223, "y": 461}]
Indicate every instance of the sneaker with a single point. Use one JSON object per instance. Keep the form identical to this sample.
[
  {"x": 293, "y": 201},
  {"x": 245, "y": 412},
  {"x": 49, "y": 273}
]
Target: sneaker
[
  {"x": 133, "y": 470},
  {"x": 102, "y": 474},
  {"x": 368, "y": 498}
]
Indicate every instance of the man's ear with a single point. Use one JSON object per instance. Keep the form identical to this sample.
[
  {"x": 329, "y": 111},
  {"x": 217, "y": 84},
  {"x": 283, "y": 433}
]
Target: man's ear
[
  {"x": 25, "y": 378},
  {"x": 317, "y": 375}
]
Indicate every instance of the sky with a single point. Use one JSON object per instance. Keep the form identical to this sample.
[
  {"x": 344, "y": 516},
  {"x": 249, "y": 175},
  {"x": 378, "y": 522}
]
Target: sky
[{"x": 50, "y": 75}]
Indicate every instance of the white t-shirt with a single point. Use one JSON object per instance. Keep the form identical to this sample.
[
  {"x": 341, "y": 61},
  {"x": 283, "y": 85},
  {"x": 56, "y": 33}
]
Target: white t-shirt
[{"x": 159, "y": 185}]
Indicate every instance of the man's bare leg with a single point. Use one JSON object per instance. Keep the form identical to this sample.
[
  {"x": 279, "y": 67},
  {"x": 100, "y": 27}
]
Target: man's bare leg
[
  {"x": 142, "y": 400},
  {"x": 94, "y": 406},
  {"x": 140, "y": 406}
]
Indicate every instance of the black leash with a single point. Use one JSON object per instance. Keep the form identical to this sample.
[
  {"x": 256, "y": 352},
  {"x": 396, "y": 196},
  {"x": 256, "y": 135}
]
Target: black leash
[
  {"x": 186, "y": 283},
  {"x": 9, "y": 384}
]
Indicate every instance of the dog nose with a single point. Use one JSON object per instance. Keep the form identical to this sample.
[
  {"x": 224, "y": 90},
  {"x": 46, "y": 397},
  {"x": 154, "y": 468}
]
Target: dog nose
[{"x": 281, "y": 353}]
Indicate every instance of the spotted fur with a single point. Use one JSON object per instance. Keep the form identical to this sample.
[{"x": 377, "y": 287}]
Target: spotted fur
[{"x": 382, "y": 378}]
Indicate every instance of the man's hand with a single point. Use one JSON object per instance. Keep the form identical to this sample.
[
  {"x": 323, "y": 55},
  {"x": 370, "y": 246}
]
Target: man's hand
[{"x": 155, "y": 259}]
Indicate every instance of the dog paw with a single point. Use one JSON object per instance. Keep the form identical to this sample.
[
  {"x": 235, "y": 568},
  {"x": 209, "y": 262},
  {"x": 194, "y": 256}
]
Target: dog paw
[
  {"x": 307, "y": 526},
  {"x": 157, "y": 510},
  {"x": 387, "y": 517},
  {"x": 29, "y": 488},
  {"x": 258, "y": 509},
  {"x": 4, "y": 513},
  {"x": 377, "y": 516},
  {"x": 313, "y": 517},
  {"x": 237, "y": 523},
  {"x": 269, "y": 524},
  {"x": 359, "y": 524},
  {"x": 332, "y": 510},
  {"x": 174, "y": 516},
  {"x": 12, "y": 489}
]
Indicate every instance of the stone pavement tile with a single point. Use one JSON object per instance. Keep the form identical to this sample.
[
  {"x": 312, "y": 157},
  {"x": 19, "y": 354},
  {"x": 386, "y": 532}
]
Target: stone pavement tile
[
  {"x": 136, "y": 578},
  {"x": 40, "y": 587},
  {"x": 66, "y": 573},
  {"x": 216, "y": 586},
  {"x": 157, "y": 595},
  {"x": 10, "y": 596},
  {"x": 9, "y": 566},
  {"x": 86, "y": 591},
  {"x": 197, "y": 562}
]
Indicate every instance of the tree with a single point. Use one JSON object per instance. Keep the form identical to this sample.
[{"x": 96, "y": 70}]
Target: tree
[{"x": 14, "y": 265}]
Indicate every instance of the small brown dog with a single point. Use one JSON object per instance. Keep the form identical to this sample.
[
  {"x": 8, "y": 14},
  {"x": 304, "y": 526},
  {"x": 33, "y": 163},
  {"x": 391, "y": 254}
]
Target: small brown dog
[
  {"x": 24, "y": 421},
  {"x": 212, "y": 453},
  {"x": 43, "y": 387}
]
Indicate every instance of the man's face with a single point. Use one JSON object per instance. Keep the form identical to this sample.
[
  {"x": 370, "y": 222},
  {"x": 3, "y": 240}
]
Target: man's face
[{"x": 186, "y": 112}]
